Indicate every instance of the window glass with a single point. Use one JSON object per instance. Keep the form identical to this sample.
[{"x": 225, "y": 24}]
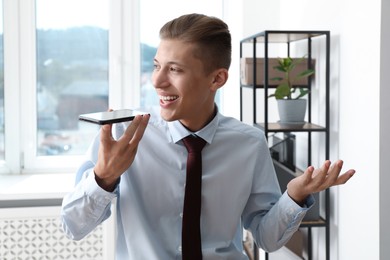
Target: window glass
[
  {"x": 2, "y": 136},
  {"x": 152, "y": 19},
  {"x": 72, "y": 72}
]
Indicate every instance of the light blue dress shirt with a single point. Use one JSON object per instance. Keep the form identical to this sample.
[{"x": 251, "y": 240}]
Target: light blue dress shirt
[{"x": 239, "y": 189}]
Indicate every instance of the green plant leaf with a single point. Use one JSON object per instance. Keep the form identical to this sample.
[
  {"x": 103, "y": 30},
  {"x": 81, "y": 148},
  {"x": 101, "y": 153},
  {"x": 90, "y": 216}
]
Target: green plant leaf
[
  {"x": 302, "y": 92},
  {"x": 287, "y": 62},
  {"x": 282, "y": 91},
  {"x": 277, "y": 78},
  {"x": 280, "y": 68},
  {"x": 285, "y": 88},
  {"x": 305, "y": 74}
]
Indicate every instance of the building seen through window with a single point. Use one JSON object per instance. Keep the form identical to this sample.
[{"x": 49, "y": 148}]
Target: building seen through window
[
  {"x": 72, "y": 73},
  {"x": 71, "y": 57}
]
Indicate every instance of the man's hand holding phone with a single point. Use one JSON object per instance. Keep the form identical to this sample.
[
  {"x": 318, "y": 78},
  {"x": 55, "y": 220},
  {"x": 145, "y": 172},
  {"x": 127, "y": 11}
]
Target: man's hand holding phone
[{"x": 115, "y": 156}]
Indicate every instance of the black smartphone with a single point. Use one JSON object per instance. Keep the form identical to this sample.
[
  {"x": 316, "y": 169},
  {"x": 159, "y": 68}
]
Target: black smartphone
[{"x": 110, "y": 117}]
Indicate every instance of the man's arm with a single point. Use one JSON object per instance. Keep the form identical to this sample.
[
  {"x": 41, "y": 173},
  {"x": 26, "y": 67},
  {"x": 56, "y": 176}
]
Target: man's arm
[
  {"x": 85, "y": 207},
  {"x": 89, "y": 204},
  {"x": 273, "y": 219},
  {"x": 274, "y": 227}
]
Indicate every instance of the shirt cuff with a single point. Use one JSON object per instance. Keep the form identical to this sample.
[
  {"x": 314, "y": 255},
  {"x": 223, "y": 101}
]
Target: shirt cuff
[
  {"x": 295, "y": 212},
  {"x": 93, "y": 190},
  {"x": 309, "y": 202}
]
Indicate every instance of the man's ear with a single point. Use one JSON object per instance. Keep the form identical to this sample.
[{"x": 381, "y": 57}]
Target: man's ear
[{"x": 219, "y": 79}]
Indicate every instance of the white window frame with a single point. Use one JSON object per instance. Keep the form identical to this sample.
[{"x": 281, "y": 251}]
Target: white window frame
[
  {"x": 20, "y": 81},
  {"x": 12, "y": 58}
]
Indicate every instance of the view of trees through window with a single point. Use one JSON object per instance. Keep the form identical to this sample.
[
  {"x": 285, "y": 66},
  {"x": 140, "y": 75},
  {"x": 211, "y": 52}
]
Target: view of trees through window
[
  {"x": 72, "y": 72},
  {"x": 72, "y": 67},
  {"x": 72, "y": 79}
]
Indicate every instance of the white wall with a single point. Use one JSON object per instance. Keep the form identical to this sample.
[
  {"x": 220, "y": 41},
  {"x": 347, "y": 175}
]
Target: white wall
[
  {"x": 232, "y": 15},
  {"x": 355, "y": 99},
  {"x": 359, "y": 129}
]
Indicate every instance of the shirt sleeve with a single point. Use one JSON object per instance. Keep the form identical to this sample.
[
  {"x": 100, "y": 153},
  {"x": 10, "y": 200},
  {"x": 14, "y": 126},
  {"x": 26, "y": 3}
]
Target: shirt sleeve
[
  {"x": 273, "y": 229},
  {"x": 85, "y": 207},
  {"x": 271, "y": 217}
]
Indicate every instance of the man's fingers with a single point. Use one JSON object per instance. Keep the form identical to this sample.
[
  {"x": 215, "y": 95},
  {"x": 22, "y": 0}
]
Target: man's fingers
[
  {"x": 342, "y": 179},
  {"x": 333, "y": 176},
  {"x": 139, "y": 132},
  {"x": 106, "y": 134},
  {"x": 136, "y": 129},
  {"x": 323, "y": 171},
  {"x": 130, "y": 130},
  {"x": 334, "y": 172},
  {"x": 320, "y": 174},
  {"x": 308, "y": 174}
]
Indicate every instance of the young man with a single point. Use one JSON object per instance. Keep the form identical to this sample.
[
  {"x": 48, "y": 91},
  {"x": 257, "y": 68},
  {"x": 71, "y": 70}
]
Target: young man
[{"x": 143, "y": 164}]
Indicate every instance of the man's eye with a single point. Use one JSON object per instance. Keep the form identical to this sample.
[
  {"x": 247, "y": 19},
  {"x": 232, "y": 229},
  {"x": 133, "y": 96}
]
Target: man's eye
[
  {"x": 173, "y": 69},
  {"x": 156, "y": 67}
]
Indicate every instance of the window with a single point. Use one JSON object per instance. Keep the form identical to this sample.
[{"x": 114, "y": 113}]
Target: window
[
  {"x": 60, "y": 62},
  {"x": 72, "y": 72},
  {"x": 67, "y": 57}
]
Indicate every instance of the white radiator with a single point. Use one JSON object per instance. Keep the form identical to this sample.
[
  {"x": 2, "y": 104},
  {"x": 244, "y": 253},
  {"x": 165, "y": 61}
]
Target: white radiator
[{"x": 35, "y": 233}]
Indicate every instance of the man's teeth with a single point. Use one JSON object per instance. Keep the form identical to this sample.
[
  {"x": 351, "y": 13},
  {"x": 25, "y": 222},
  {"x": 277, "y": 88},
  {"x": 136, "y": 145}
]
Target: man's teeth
[{"x": 168, "y": 98}]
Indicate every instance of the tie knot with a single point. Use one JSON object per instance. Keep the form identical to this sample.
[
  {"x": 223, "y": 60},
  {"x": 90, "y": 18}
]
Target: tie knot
[{"x": 194, "y": 143}]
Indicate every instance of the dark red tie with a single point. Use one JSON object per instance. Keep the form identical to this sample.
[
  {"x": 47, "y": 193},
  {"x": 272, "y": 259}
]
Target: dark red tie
[{"x": 191, "y": 241}]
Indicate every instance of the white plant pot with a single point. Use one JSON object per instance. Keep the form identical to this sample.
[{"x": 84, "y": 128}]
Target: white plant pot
[{"x": 292, "y": 110}]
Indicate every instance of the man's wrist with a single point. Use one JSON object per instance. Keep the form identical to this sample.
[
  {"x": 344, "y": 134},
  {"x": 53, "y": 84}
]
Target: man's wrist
[
  {"x": 105, "y": 184},
  {"x": 300, "y": 201}
]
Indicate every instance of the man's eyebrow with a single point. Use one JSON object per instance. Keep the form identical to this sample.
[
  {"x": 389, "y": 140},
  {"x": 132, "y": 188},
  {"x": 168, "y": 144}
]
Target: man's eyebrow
[{"x": 172, "y": 63}]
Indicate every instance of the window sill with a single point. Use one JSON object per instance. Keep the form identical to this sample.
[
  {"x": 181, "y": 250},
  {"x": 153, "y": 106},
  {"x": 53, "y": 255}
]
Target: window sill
[{"x": 32, "y": 189}]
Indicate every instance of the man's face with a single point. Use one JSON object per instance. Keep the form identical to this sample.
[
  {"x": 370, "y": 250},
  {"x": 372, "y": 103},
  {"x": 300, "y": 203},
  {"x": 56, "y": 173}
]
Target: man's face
[{"x": 186, "y": 93}]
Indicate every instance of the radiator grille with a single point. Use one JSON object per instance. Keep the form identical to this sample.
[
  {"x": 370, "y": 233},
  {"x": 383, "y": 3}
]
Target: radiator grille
[{"x": 41, "y": 237}]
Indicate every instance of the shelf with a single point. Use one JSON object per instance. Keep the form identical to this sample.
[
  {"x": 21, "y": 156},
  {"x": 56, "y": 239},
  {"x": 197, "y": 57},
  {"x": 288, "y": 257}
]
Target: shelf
[
  {"x": 282, "y": 127},
  {"x": 283, "y": 36},
  {"x": 283, "y": 151},
  {"x": 314, "y": 223},
  {"x": 257, "y": 86}
]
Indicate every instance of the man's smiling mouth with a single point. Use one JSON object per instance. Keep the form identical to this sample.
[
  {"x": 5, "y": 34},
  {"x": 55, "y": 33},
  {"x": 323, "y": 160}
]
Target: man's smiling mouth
[{"x": 168, "y": 98}]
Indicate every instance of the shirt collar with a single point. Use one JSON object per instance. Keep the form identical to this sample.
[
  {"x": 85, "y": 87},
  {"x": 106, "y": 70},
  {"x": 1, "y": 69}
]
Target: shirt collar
[{"x": 178, "y": 131}]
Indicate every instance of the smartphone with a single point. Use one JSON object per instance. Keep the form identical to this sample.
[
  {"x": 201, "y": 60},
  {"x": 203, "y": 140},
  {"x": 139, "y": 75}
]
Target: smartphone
[{"x": 110, "y": 117}]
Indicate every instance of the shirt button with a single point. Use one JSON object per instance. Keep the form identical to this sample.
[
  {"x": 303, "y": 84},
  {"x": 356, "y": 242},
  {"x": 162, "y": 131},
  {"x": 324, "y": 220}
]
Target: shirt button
[
  {"x": 181, "y": 215},
  {"x": 179, "y": 248}
]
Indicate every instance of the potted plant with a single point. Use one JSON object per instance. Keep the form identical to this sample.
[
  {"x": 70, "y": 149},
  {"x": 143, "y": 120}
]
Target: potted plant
[{"x": 291, "y": 105}]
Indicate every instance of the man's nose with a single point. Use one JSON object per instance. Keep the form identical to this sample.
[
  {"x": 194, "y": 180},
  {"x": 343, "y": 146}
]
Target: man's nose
[{"x": 160, "y": 79}]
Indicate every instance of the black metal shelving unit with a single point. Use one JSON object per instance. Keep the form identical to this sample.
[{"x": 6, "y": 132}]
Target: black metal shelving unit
[{"x": 287, "y": 39}]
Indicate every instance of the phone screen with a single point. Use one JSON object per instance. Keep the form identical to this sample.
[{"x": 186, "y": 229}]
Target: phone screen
[{"x": 110, "y": 117}]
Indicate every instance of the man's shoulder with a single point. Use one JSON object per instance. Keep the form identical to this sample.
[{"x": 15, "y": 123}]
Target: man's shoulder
[{"x": 236, "y": 126}]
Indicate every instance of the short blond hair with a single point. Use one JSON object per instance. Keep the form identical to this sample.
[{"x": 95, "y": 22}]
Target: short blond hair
[{"x": 210, "y": 34}]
